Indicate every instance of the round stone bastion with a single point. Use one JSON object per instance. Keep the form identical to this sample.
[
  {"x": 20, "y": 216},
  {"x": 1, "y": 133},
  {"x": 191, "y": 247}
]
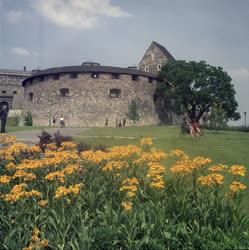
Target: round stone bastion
[{"x": 90, "y": 95}]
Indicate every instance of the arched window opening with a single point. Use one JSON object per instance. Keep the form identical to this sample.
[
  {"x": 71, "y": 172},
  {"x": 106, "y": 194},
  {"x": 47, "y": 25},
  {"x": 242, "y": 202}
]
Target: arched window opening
[
  {"x": 115, "y": 76},
  {"x": 14, "y": 92},
  {"x": 115, "y": 93},
  {"x": 31, "y": 96},
  {"x": 150, "y": 80},
  {"x": 74, "y": 75},
  {"x": 56, "y": 77},
  {"x": 134, "y": 77},
  {"x": 41, "y": 79},
  {"x": 4, "y": 92},
  {"x": 64, "y": 92}
]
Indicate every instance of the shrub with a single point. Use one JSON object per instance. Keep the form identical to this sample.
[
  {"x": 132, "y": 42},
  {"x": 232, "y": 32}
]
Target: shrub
[
  {"x": 83, "y": 147},
  {"x": 45, "y": 139},
  {"x": 59, "y": 139},
  {"x": 28, "y": 119},
  {"x": 133, "y": 114},
  {"x": 13, "y": 121}
]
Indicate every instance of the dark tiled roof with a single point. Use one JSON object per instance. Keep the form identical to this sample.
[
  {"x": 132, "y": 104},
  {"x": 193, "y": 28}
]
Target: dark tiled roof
[
  {"x": 89, "y": 69},
  {"x": 164, "y": 50},
  {"x": 14, "y": 72}
]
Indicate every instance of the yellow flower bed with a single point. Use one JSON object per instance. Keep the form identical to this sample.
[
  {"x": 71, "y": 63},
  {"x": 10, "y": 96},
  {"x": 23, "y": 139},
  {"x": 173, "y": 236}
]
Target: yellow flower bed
[{"x": 134, "y": 174}]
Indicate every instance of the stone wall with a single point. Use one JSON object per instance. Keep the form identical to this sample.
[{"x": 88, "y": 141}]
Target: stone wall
[
  {"x": 11, "y": 89},
  {"x": 89, "y": 103},
  {"x": 153, "y": 59}
]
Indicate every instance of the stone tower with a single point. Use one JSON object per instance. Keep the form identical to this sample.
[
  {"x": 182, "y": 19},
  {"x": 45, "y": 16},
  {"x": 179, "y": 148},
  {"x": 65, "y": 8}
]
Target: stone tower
[{"x": 155, "y": 57}]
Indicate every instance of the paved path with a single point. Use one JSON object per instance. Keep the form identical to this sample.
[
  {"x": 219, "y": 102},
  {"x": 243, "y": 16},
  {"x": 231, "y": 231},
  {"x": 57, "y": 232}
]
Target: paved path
[{"x": 31, "y": 135}]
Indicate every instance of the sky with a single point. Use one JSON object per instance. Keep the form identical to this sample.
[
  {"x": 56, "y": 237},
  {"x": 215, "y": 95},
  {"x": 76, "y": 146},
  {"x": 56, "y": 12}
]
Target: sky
[{"x": 50, "y": 33}]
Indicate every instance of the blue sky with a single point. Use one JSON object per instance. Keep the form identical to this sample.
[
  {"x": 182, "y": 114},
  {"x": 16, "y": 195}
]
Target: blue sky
[{"x": 48, "y": 33}]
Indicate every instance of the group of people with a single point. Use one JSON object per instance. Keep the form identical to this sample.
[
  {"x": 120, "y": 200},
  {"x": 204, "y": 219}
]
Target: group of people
[
  {"x": 120, "y": 122},
  {"x": 61, "y": 122},
  {"x": 193, "y": 127}
]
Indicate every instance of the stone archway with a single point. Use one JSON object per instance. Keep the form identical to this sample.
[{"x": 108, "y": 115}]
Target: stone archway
[
  {"x": 4, "y": 104},
  {"x": 6, "y": 101}
]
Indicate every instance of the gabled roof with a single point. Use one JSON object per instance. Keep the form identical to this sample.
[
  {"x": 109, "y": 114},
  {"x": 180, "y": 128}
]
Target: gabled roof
[{"x": 164, "y": 50}]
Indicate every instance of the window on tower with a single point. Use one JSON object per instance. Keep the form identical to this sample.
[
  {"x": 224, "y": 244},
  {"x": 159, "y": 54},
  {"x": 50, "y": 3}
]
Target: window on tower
[
  {"x": 115, "y": 76},
  {"x": 115, "y": 93},
  {"x": 31, "y": 97},
  {"x": 64, "y": 92},
  {"x": 134, "y": 77}
]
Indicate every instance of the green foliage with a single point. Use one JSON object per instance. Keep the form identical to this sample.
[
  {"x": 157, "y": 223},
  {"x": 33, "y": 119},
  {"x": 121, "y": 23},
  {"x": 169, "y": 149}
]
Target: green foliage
[
  {"x": 133, "y": 114},
  {"x": 196, "y": 87},
  {"x": 218, "y": 118},
  {"x": 181, "y": 215},
  {"x": 13, "y": 121},
  {"x": 28, "y": 119}
]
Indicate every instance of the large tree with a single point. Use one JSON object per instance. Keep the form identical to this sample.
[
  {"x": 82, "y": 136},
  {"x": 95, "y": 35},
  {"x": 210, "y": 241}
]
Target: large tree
[{"x": 195, "y": 87}]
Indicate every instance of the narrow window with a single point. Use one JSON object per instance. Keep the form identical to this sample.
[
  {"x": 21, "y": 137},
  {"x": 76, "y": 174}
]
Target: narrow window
[
  {"x": 115, "y": 93},
  {"x": 4, "y": 92},
  {"x": 41, "y": 79},
  {"x": 74, "y": 75},
  {"x": 150, "y": 80},
  {"x": 146, "y": 69},
  {"x": 115, "y": 76},
  {"x": 95, "y": 75},
  {"x": 56, "y": 77},
  {"x": 159, "y": 66},
  {"x": 14, "y": 92},
  {"x": 134, "y": 77},
  {"x": 153, "y": 57},
  {"x": 31, "y": 96},
  {"x": 64, "y": 92}
]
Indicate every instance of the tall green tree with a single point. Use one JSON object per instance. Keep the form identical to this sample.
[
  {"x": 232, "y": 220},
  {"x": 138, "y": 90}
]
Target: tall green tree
[
  {"x": 133, "y": 114},
  {"x": 195, "y": 88}
]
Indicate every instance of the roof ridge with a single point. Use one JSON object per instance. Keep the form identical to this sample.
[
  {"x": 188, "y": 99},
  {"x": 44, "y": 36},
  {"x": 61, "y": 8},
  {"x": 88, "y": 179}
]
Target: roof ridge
[{"x": 164, "y": 50}]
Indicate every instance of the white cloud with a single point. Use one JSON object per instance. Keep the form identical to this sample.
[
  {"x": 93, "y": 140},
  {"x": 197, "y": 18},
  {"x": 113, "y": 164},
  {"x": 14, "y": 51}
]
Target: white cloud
[
  {"x": 81, "y": 14},
  {"x": 239, "y": 73},
  {"x": 20, "y": 52},
  {"x": 14, "y": 16}
]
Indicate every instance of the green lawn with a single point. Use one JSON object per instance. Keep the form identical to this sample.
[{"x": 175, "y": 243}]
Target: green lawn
[
  {"x": 23, "y": 128},
  {"x": 224, "y": 147}
]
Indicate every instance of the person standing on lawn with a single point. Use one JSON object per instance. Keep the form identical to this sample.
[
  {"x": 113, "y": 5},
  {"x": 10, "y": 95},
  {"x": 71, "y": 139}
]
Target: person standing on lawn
[
  {"x": 3, "y": 118},
  {"x": 62, "y": 123}
]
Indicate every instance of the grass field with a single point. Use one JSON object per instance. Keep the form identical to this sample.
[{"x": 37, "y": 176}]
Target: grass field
[
  {"x": 23, "y": 128},
  {"x": 224, "y": 147},
  {"x": 127, "y": 197}
]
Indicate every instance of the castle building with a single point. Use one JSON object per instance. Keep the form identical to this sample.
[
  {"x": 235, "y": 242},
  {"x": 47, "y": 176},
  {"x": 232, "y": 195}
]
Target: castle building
[
  {"x": 155, "y": 57},
  {"x": 11, "y": 89},
  {"x": 87, "y": 95}
]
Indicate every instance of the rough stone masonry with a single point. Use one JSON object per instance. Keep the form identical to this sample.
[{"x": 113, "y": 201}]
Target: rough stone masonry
[{"x": 89, "y": 95}]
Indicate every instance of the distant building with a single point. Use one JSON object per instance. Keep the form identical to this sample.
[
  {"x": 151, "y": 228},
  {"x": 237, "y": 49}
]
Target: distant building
[
  {"x": 155, "y": 57},
  {"x": 86, "y": 95},
  {"x": 11, "y": 89}
]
